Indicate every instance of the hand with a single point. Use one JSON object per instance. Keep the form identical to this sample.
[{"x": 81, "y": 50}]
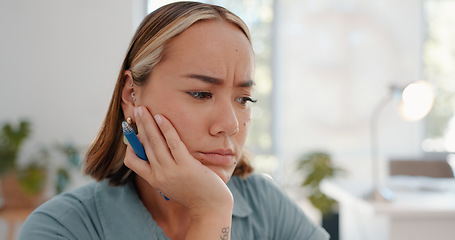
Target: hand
[{"x": 174, "y": 171}]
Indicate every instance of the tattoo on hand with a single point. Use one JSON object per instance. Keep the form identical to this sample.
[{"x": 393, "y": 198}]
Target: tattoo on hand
[{"x": 225, "y": 233}]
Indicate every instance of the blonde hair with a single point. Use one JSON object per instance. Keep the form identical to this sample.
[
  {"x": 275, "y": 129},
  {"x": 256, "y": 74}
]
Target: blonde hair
[{"x": 104, "y": 159}]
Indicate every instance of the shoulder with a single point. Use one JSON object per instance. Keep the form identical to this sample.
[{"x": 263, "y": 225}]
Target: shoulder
[
  {"x": 59, "y": 206},
  {"x": 263, "y": 211},
  {"x": 94, "y": 211},
  {"x": 75, "y": 200},
  {"x": 65, "y": 215}
]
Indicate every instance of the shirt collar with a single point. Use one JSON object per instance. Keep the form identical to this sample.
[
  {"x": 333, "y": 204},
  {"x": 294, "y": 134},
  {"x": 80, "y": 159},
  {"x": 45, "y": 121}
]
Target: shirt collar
[
  {"x": 123, "y": 215},
  {"x": 242, "y": 207}
]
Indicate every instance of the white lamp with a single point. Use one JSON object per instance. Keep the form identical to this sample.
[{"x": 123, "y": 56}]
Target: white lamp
[{"x": 416, "y": 102}]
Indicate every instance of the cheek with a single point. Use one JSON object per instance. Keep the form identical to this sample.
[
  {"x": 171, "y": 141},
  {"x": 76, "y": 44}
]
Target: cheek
[
  {"x": 182, "y": 117},
  {"x": 245, "y": 117},
  {"x": 244, "y": 125},
  {"x": 188, "y": 124}
]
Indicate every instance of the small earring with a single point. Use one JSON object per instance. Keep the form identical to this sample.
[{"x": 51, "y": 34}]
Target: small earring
[
  {"x": 129, "y": 121},
  {"x": 132, "y": 82},
  {"x": 132, "y": 95}
]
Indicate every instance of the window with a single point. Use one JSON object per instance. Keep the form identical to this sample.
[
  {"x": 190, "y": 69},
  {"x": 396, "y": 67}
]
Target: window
[
  {"x": 258, "y": 15},
  {"x": 439, "y": 68}
]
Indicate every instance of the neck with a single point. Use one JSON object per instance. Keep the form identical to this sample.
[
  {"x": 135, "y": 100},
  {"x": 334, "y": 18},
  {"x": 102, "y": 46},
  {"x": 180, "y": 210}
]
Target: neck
[{"x": 173, "y": 218}]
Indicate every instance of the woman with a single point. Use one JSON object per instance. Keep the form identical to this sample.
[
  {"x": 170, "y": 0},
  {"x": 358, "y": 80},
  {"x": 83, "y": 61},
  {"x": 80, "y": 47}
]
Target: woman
[{"x": 186, "y": 84}]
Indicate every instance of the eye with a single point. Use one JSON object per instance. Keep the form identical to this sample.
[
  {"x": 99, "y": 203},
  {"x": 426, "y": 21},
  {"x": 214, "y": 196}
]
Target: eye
[
  {"x": 201, "y": 95},
  {"x": 244, "y": 100}
]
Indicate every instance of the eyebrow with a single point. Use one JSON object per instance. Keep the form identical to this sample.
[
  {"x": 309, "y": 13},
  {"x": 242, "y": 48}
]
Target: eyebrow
[{"x": 218, "y": 81}]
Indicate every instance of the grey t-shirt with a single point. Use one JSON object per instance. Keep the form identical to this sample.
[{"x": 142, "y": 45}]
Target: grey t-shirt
[{"x": 99, "y": 211}]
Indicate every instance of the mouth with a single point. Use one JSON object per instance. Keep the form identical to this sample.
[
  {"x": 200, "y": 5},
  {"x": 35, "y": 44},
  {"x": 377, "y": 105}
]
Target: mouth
[{"x": 217, "y": 157}]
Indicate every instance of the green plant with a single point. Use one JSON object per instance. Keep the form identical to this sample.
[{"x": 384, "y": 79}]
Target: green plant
[
  {"x": 63, "y": 176},
  {"x": 32, "y": 177},
  {"x": 11, "y": 141},
  {"x": 318, "y": 166}
]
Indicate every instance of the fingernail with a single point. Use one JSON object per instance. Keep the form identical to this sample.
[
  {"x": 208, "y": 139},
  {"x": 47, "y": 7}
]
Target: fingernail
[
  {"x": 158, "y": 119},
  {"x": 138, "y": 110}
]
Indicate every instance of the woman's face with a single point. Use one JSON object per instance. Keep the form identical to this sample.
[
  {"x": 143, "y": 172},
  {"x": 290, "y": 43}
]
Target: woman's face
[{"x": 204, "y": 85}]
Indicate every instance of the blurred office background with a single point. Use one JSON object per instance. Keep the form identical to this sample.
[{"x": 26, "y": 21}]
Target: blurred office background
[{"x": 322, "y": 67}]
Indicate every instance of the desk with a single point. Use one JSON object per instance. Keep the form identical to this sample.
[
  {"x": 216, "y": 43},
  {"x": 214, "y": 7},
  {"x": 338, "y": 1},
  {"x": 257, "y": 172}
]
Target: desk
[
  {"x": 415, "y": 213},
  {"x": 14, "y": 217}
]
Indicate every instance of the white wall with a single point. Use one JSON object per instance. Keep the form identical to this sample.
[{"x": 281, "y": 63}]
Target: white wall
[
  {"x": 59, "y": 62},
  {"x": 334, "y": 62}
]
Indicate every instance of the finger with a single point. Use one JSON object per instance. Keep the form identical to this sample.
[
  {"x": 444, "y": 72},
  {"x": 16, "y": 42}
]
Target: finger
[
  {"x": 173, "y": 141},
  {"x": 133, "y": 162},
  {"x": 154, "y": 140},
  {"x": 143, "y": 138}
]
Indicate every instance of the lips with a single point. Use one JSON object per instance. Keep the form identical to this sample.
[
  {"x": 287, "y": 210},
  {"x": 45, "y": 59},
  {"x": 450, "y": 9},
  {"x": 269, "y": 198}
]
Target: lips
[{"x": 217, "y": 157}]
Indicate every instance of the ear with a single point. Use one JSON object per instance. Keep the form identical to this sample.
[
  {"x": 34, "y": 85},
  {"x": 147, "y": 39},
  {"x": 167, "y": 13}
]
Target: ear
[{"x": 128, "y": 103}]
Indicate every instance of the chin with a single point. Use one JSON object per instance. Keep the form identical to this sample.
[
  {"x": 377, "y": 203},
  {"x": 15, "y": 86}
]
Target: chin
[{"x": 224, "y": 174}]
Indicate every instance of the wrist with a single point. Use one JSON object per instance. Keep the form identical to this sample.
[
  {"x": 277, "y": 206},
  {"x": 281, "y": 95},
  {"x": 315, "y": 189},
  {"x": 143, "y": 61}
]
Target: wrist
[
  {"x": 211, "y": 226},
  {"x": 218, "y": 203},
  {"x": 212, "y": 211}
]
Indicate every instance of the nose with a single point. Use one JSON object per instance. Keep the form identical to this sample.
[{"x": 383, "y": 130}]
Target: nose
[{"x": 224, "y": 121}]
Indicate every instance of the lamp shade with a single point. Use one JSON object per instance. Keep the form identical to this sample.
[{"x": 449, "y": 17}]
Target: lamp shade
[{"x": 417, "y": 101}]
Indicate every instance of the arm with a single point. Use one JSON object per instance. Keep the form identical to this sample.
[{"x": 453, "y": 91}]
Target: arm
[{"x": 211, "y": 227}]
